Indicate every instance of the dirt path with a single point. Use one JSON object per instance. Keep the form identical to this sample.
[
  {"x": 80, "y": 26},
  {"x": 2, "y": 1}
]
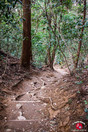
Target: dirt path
[{"x": 43, "y": 103}]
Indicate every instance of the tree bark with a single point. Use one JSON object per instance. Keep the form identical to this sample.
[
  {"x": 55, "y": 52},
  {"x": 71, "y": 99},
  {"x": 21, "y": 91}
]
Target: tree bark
[
  {"x": 26, "y": 49},
  {"x": 81, "y": 36},
  {"x": 51, "y": 55}
]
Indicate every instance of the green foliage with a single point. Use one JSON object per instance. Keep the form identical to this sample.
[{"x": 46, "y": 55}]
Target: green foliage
[
  {"x": 80, "y": 9},
  {"x": 11, "y": 32},
  {"x": 68, "y": 3},
  {"x": 69, "y": 20},
  {"x": 86, "y": 102},
  {"x": 69, "y": 101},
  {"x": 39, "y": 49},
  {"x": 79, "y": 82},
  {"x": 6, "y": 7},
  {"x": 69, "y": 26}
]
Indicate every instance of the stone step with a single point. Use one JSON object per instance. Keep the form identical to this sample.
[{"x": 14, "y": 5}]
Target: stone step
[
  {"x": 27, "y": 126},
  {"x": 26, "y": 110}
]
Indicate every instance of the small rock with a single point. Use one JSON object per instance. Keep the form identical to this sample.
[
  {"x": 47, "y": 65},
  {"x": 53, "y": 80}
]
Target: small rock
[
  {"x": 23, "y": 130},
  {"x": 66, "y": 121},
  {"x": 54, "y": 104},
  {"x": 42, "y": 87},
  {"x": 61, "y": 124},
  {"x": 21, "y": 118},
  {"x": 8, "y": 130},
  {"x": 5, "y": 118},
  {"x": 18, "y": 106}
]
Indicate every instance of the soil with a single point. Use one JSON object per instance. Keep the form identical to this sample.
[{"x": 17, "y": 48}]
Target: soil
[{"x": 42, "y": 100}]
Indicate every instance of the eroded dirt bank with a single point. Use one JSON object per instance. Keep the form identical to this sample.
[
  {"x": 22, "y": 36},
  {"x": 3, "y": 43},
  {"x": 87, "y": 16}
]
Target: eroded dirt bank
[{"x": 45, "y": 102}]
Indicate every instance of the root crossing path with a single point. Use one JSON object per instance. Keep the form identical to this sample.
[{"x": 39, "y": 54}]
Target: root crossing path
[{"x": 42, "y": 103}]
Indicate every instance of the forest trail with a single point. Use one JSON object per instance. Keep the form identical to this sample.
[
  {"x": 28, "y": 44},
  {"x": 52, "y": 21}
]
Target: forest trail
[{"x": 46, "y": 102}]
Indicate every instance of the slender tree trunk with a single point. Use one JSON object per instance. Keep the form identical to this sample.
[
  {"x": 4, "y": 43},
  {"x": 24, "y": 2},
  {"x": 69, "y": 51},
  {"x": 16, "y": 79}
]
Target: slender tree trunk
[
  {"x": 46, "y": 60},
  {"x": 51, "y": 55},
  {"x": 26, "y": 50},
  {"x": 81, "y": 36}
]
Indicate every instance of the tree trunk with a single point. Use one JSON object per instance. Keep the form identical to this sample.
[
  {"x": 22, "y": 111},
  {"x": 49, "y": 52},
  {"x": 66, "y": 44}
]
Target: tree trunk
[
  {"x": 53, "y": 56},
  {"x": 81, "y": 36},
  {"x": 26, "y": 50}
]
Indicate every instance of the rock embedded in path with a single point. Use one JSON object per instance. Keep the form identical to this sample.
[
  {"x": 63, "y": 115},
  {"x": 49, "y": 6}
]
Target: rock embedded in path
[{"x": 67, "y": 119}]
